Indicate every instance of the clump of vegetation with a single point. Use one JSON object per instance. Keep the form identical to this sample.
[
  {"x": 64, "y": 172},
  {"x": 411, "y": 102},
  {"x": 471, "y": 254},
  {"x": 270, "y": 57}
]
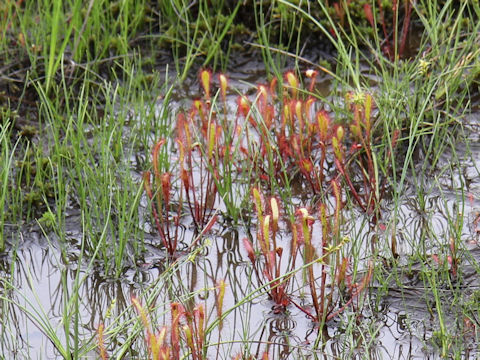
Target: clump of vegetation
[{"x": 320, "y": 195}]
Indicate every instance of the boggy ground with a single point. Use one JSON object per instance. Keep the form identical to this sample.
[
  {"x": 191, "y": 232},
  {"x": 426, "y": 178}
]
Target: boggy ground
[{"x": 388, "y": 271}]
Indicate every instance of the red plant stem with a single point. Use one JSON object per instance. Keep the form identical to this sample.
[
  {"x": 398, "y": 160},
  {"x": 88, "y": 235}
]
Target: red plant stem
[
  {"x": 306, "y": 312},
  {"x": 395, "y": 32},
  {"x": 202, "y": 204},
  {"x": 315, "y": 186},
  {"x": 350, "y": 185},
  {"x": 322, "y": 163},
  {"x": 309, "y": 260},
  {"x": 384, "y": 26},
  {"x": 154, "y": 210},
  {"x": 171, "y": 250},
  {"x": 277, "y": 264},
  {"x": 406, "y": 25},
  {"x": 191, "y": 198},
  {"x": 325, "y": 234}
]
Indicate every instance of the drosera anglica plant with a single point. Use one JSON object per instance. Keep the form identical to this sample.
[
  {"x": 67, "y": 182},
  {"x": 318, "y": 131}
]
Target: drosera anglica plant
[
  {"x": 159, "y": 192},
  {"x": 331, "y": 289},
  {"x": 196, "y": 182},
  {"x": 282, "y": 134},
  {"x": 209, "y": 145},
  {"x": 269, "y": 269},
  {"x": 198, "y": 140},
  {"x": 167, "y": 213},
  {"x": 361, "y": 158},
  {"x": 330, "y": 294},
  {"x": 186, "y": 335},
  {"x": 394, "y": 41}
]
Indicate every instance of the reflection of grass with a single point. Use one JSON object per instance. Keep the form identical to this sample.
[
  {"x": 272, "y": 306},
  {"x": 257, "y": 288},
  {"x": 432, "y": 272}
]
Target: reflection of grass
[
  {"x": 6, "y": 161},
  {"x": 353, "y": 161}
]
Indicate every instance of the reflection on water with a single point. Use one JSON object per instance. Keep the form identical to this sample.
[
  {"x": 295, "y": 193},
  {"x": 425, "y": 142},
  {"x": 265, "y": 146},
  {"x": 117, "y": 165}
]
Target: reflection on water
[
  {"x": 399, "y": 320},
  {"x": 401, "y": 326}
]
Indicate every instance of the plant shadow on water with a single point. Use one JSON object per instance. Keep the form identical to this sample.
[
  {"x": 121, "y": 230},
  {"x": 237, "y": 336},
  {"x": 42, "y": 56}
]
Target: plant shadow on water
[{"x": 398, "y": 318}]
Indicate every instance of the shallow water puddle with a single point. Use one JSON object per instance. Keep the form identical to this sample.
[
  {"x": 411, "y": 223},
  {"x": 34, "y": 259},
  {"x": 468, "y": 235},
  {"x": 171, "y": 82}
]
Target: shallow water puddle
[{"x": 398, "y": 319}]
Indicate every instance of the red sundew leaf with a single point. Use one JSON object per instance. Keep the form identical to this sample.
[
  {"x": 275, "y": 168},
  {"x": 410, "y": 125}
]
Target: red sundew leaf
[
  {"x": 292, "y": 81},
  {"x": 223, "y": 86},
  {"x": 244, "y": 150},
  {"x": 181, "y": 123},
  {"x": 340, "y": 133},
  {"x": 153, "y": 346},
  {"x": 295, "y": 144},
  {"x": 147, "y": 184},
  {"x": 337, "y": 150},
  {"x": 183, "y": 133},
  {"x": 249, "y": 248},
  {"x": 166, "y": 186},
  {"x": 205, "y": 79},
  {"x": 221, "y": 285},
  {"x": 199, "y": 313},
  {"x": 210, "y": 224},
  {"x": 265, "y": 244},
  {"x": 177, "y": 311},
  {"x": 367, "y": 10},
  {"x": 269, "y": 116},
  {"x": 188, "y": 335},
  {"x": 308, "y": 109},
  {"x": 322, "y": 214},
  {"x": 198, "y": 105},
  {"x": 323, "y": 122},
  {"x": 366, "y": 279},
  {"x": 211, "y": 140},
  {"x": 306, "y": 166},
  {"x": 273, "y": 87},
  {"x": 275, "y": 213},
  {"x": 305, "y": 216},
  {"x": 258, "y": 199},
  {"x": 342, "y": 271},
  {"x": 436, "y": 259},
  {"x": 294, "y": 242},
  {"x": 299, "y": 231},
  {"x": 284, "y": 147},
  {"x": 185, "y": 180},
  {"x": 298, "y": 106},
  {"x": 143, "y": 315},
  {"x": 356, "y": 130},
  {"x": 155, "y": 151},
  {"x": 252, "y": 122},
  {"x": 243, "y": 106}
]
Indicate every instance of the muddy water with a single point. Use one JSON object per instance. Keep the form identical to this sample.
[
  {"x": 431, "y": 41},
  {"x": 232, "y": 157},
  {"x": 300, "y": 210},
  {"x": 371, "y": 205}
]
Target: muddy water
[{"x": 396, "y": 322}]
